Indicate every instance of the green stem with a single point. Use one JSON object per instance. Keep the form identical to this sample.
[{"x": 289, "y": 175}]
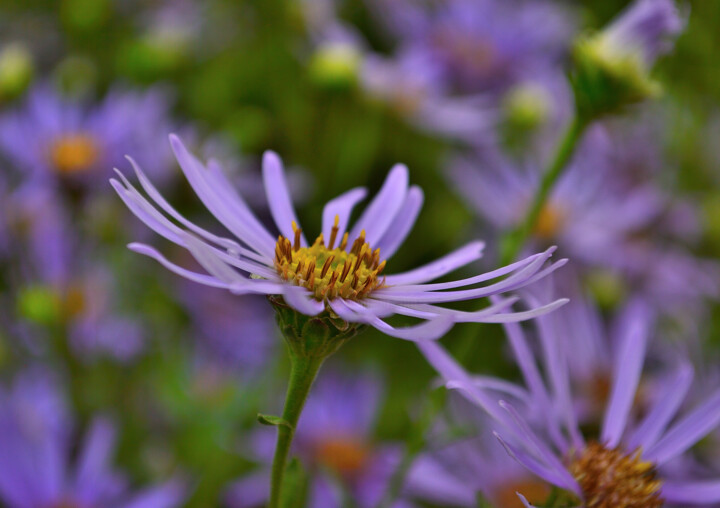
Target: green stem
[
  {"x": 564, "y": 152},
  {"x": 303, "y": 371}
]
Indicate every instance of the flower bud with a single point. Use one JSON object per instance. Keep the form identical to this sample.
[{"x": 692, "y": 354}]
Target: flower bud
[
  {"x": 16, "y": 70},
  {"x": 612, "y": 67},
  {"x": 335, "y": 65}
]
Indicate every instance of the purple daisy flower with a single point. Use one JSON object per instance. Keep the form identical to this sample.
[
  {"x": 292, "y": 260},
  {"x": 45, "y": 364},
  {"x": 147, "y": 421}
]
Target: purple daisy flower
[
  {"x": 453, "y": 474},
  {"x": 601, "y": 220},
  {"x": 50, "y": 255},
  {"x": 645, "y": 31},
  {"x": 481, "y": 45},
  {"x": 334, "y": 440},
  {"x": 343, "y": 276},
  {"x": 51, "y": 137},
  {"x": 36, "y": 468},
  {"x": 630, "y": 461}
]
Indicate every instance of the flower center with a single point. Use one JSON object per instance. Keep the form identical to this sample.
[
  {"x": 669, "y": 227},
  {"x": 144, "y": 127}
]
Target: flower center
[
  {"x": 346, "y": 456},
  {"x": 535, "y": 491},
  {"x": 549, "y": 222},
  {"x": 610, "y": 479},
  {"x": 327, "y": 271},
  {"x": 74, "y": 153}
]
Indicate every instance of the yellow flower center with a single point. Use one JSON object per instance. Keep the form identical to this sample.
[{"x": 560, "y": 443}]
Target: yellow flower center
[
  {"x": 330, "y": 271},
  {"x": 609, "y": 478},
  {"x": 74, "y": 153},
  {"x": 342, "y": 455},
  {"x": 535, "y": 491}
]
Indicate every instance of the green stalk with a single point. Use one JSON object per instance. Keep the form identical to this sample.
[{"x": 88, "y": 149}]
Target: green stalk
[
  {"x": 302, "y": 374},
  {"x": 564, "y": 152}
]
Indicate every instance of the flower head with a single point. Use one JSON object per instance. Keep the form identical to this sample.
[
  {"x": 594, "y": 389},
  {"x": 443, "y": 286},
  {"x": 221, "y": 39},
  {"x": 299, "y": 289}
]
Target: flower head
[
  {"x": 335, "y": 440},
  {"x": 344, "y": 277},
  {"x": 626, "y": 463},
  {"x": 53, "y": 138}
]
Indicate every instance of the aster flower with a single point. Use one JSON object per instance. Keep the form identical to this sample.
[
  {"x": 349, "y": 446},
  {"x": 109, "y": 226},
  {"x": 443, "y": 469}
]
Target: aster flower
[
  {"x": 36, "y": 468},
  {"x": 336, "y": 444},
  {"x": 343, "y": 276},
  {"x": 480, "y": 45},
  {"x": 598, "y": 218},
  {"x": 57, "y": 276},
  {"x": 629, "y": 462},
  {"x": 51, "y": 138}
]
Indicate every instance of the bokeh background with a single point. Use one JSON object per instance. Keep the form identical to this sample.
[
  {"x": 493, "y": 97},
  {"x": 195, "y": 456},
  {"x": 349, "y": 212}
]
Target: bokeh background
[{"x": 342, "y": 91}]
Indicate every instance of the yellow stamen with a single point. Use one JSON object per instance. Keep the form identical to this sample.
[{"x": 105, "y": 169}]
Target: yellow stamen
[
  {"x": 334, "y": 232},
  {"x": 325, "y": 270}
]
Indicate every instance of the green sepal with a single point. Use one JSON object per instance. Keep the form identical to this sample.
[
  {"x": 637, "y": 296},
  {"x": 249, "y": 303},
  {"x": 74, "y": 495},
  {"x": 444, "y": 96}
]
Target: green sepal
[
  {"x": 273, "y": 421},
  {"x": 312, "y": 336}
]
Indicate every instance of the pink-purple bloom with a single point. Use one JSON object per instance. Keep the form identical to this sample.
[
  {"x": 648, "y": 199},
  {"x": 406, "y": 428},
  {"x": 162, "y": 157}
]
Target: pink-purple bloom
[
  {"x": 345, "y": 275},
  {"x": 335, "y": 442},
  {"x": 37, "y": 463},
  {"x": 635, "y": 450},
  {"x": 51, "y": 139}
]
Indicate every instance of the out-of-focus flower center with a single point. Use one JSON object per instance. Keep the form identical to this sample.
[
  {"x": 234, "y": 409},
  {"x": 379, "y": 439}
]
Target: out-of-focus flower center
[
  {"x": 330, "y": 271},
  {"x": 610, "y": 478},
  {"x": 467, "y": 52},
  {"x": 346, "y": 456},
  {"x": 535, "y": 491},
  {"x": 549, "y": 222},
  {"x": 74, "y": 153}
]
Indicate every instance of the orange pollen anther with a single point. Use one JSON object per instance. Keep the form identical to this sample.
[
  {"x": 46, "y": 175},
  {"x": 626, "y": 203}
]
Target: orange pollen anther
[
  {"x": 325, "y": 270},
  {"x": 610, "y": 478}
]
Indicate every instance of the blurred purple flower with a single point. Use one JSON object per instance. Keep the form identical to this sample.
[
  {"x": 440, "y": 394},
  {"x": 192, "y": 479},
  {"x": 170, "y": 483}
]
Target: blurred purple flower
[
  {"x": 315, "y": 279},
  {"x": 598, "y": 219},
  {"x": 633, "y": 452},
  {"x": 36, "y": 468},
  {"x": 334, "y": 440},
  {"x": 51, "y": 138},
  {"x": 645, "y": 30},
  {"x": 481, "y": 46},
  {"x": 455, "y": 473},
  {"x": 233, "y": 331}
]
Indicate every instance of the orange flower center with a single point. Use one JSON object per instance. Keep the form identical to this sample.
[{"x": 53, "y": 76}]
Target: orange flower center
[
  {"x": 74, "y": 153},
  {"x": 549, "y": 222},
  {"x": 327, "y": 271},
  {"x": 346, "y": 456}
]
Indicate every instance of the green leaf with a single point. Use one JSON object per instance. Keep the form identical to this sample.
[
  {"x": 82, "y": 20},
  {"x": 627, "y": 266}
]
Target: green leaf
[{"x": 273, "y": 421}]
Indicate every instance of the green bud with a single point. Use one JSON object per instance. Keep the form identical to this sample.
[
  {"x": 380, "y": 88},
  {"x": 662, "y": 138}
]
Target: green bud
[
  {"x": 312, "y": 336},
  {"x": 39, "y": 304},
  {"x": 335, "y": 66},
  {"x": 527, "y": 106},
  {"x": 608, "y": 288},
  {"x": 16, "y": 70},
  {"x": 606, "y": 79}
]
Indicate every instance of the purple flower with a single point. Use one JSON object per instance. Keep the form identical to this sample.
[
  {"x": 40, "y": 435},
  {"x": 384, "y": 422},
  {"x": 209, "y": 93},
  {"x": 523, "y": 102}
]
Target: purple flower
[
  {"x": 481, "y": 45},
  {"x": 232, "y": 331},
  {"x": 51, "y": 138},
  {"x": 645, "y": 30},
  {"x": 36, "y": 468},
  {"x": 343, "y": 276},
  {"x": 334, "y": 440},
  {"x": 630, "y": 461},
  {"x": 599, "y": 219},
  {"x": 455, "y": 473}
]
